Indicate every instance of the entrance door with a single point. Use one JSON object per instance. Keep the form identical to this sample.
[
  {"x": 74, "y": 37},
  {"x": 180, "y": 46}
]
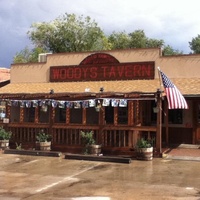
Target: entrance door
[
  {"x": 197, "y": 123},
  {"x": 180, "y": 131}
]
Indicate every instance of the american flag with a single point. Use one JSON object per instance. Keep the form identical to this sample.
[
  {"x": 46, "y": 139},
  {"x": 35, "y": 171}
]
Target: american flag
[{"x": 174, "y": 97}]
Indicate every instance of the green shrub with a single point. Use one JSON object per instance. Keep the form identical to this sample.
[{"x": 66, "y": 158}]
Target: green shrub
[
  {"x": 5, "y": 135},
  {"x": 43, "y": 137},
  {"x": 142, "y": 143},
  {"x": 87, "y": 138}
]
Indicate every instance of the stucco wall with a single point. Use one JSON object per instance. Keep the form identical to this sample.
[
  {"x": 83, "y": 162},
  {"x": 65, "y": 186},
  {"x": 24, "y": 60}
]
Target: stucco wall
[
  {"x": 4, "y": 74},
  {"x": 183, "y": 66}
]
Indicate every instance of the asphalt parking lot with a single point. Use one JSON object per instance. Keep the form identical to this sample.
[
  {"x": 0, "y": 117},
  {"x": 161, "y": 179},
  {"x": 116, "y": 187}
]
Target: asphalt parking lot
[{"x": 40, "y": 177}]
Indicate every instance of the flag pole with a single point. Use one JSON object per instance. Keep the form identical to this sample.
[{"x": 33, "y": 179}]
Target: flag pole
[
  {"x": 165, "y": 111},
  {"x": 159, "y": 116},
  {"x": 161, "y": 85}
]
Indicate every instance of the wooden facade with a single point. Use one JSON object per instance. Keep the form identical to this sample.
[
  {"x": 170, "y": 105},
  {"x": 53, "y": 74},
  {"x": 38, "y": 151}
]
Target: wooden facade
[{"x": 56, "y": 95}]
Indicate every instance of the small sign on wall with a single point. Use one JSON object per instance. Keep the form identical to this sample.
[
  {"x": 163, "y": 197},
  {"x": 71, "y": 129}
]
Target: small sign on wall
[{"x": 5, "y": 120}]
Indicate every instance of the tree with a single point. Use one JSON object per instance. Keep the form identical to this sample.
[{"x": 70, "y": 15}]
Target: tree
[
  {"x": 136, "y": 39},
  {"x": 119, "y": 40},
  {"x": 195, "y": 44},
  {"x": 28, "y": 55},
  {"x": 68, "y": 33},
  {"x": 168, "y": 50},
  {"x": 154, "y": 43}
]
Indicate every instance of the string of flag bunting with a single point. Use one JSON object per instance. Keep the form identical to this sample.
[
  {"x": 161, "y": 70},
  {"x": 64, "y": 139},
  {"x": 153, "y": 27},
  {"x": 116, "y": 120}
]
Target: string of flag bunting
[{"x": 71, "y": 104}]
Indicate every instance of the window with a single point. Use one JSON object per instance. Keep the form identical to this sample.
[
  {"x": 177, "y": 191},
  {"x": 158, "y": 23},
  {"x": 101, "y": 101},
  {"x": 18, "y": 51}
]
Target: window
[
  {"x": 92, "y": 117},
  {"x": 60, "y": 116},
  {"x": 15, "y": 113},
  {"x": 2, "y": 110},
  {"x": 122, "y": 115},
  {"x": 175, "y": 116},
  {"x": 44, "y": 114},
  {"x": 76, "y": 116},
  {"x": 109, "y": 115},
  {"x": 29, "y": 114},
  {"x": 198, "y": 114}
]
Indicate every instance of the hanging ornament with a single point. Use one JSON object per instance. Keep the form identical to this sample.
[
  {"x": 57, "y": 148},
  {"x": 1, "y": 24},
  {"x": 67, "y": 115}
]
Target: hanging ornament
[
  {"x": 61, "y": 104},
  {"x": 77, "y": 104},
  {"x": 98, "y": 106},
  {"x": 106, "y": 102},
  {"x": 69, "y": 104},
  {"x": 44, "y": 108},
  {"x": 123, "y": 103},
  {"x": 114, "y": 102},
  {"x": 54, "y": 103},
  {"x": 35, "y": 103},
  {"x": 28, "y": 104},
  {"x": 14, "y": 102},
  {"x": 22, "y": 104},
  {"x": 85, "y": 104},
  {"x": 92, "y": 103}
]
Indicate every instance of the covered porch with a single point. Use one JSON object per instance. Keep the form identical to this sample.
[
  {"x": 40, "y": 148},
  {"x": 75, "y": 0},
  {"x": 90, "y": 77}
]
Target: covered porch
[{"x": 117, "y": 128}]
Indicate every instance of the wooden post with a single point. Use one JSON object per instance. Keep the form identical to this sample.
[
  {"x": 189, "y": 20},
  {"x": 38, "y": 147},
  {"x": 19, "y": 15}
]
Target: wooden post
[
  {"x": 8, "y": 112},
  {"x": 21, "y": 120},
  {"x": 101, "y": 125},
  {"x": 84, "y": 116},
  {"x": 130, "y": 113},
  {"x": 52, "y": 120},
  {"x": 159, "y": 123},
  {"x": 166, "y": 123},
  {"x": 36, "y": 115},
  {"x": 67, "y": 116},
  {"x": 115, "y": 116}
]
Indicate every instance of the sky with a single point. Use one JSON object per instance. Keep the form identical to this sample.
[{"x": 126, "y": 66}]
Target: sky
[{"x": 174, "y": 21}]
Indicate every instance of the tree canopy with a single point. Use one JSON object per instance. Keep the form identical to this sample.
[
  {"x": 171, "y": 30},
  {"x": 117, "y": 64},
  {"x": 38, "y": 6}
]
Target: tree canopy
[
  {"x": 136, "y": 39},
  {"x": 68, "y": 33},
  {"x": 195, "y": 44},
  {"x": 71, "y": 33}
]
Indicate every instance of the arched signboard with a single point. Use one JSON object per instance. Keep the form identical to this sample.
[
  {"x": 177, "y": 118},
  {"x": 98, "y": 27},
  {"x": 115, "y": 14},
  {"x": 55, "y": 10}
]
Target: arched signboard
[{"x": 102, "y": 67}]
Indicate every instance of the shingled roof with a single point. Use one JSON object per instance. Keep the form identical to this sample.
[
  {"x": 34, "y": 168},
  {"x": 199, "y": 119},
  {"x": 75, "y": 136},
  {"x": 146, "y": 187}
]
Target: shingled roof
[{"x": 186, "y": 86}]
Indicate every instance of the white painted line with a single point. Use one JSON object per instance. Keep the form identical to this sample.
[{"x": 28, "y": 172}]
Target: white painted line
[
  {"x": 189, "y": 188},
  {"x": 91, "y": 198},
  {"x": 68, "y": 178},
  {"x": 30, "y": 162}
]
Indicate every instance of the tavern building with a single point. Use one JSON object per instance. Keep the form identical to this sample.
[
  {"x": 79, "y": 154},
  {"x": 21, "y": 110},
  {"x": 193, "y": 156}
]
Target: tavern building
[{"x": 117, "y": 94}]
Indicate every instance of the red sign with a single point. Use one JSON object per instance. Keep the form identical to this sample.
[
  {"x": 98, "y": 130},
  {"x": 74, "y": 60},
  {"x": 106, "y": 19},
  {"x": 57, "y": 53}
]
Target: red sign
[{"x": 102, "y": 72}]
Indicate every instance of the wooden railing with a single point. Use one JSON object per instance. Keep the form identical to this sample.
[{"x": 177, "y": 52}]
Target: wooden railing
[{"x": 69, "y": 136}]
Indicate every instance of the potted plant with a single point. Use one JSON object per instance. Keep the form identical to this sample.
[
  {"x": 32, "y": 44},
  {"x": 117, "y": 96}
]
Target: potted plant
[
  {"x": 144, "y": 149},
  {"x": 90, "y": 146},
  {"x": 43, "y": 141},
  {"x": 4, "y": 138}
]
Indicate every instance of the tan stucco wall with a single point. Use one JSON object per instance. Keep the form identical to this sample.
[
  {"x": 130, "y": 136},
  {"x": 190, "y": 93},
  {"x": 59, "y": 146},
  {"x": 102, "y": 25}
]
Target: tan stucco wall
[
  {"x": 183, "y": 66},
  {"x": 4, "y": 74}
]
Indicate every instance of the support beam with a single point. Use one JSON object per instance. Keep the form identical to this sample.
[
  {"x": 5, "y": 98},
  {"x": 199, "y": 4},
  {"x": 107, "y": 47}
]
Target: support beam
[{"x": 159, "y": 123}]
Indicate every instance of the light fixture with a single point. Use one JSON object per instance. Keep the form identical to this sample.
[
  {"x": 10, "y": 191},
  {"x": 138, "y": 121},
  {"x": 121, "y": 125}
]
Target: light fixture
[
  {"x": 87, "y": 89},
  {"x": 101, "y": 89},
  {"x": 51, "y": 91},
  {"x": 98, "y": 106}
]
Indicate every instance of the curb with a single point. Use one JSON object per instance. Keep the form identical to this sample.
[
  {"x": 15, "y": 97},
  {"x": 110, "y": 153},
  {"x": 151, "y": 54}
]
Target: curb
[
  {"x": 187, "y": 158},
  {"x": 33, "y": 152},
  {"x": 98, "y": 158}
]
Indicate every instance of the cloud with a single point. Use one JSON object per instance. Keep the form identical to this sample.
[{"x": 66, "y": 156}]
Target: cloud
[{"x": 176, "y": 22}]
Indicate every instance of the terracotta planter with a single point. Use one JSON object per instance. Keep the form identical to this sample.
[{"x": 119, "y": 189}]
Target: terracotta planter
[
  {"x": 94, "y": 149},
  {"x": 44, "y": 146},
  {"x": 144, "y": 153},
  {"x": 4, "y": 144}
]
